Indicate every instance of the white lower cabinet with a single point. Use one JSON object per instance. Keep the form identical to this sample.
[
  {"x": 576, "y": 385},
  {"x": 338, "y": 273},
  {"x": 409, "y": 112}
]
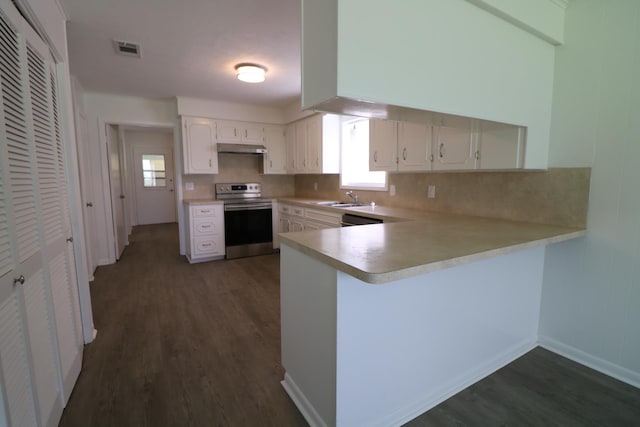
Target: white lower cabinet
[
  {"x": 205, "y": 237},
  {"x": 295, "y": 218}
]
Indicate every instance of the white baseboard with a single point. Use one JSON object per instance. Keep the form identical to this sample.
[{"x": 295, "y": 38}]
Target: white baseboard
[
  {"x": 434, "y": 397},
  {"x": 611, "y": 369},
  {"x": 306, "y": 408}
]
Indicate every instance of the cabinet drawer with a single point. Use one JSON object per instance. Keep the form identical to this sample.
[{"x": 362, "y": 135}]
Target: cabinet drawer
[
  {"x": 206, "y": 211},
  {"x": 285, "y": 209},
  {"x": 207, "y": 245},
  {"x": 202, "y": 226}
]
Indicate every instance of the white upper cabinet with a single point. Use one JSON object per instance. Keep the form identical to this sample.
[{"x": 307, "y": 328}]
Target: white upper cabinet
[
  {"x": 399, "y": 146},
  {"x": 313, "y": 145},
  {"x": 414, "y": 146},
  {"x": 454, "y": 145},
  {"x": 500, "y": 146},
  {"x": 239, "y": 132},
  {"x": 275, "y": 160},
  {"x": 383, "y": 143},
  {"x": 199, "y": 146}
]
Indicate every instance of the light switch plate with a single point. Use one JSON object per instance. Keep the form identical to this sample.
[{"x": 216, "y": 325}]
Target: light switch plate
[
  {"x": 392, "y": 190},
  {"x": 188, "y": 186}
]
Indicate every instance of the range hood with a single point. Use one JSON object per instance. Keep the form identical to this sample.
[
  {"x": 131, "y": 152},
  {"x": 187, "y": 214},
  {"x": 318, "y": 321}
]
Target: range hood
[{"x": 242, "y": 149}]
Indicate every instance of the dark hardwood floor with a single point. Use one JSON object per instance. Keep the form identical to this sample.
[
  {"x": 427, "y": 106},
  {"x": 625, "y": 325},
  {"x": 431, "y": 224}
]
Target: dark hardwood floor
[
  {"x": 181, "y": 344},
  {"x": 199, "y": 345}
]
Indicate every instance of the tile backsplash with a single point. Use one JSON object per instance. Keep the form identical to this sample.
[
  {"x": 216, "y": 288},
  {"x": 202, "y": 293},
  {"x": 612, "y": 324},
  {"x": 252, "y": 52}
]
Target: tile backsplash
[
  {"x": 238, "y": 168},
  {"x": 557, "y": 196}
]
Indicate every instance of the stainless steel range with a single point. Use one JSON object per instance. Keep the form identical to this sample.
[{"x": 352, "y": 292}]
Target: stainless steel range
[{"x": 247, "y": 219}]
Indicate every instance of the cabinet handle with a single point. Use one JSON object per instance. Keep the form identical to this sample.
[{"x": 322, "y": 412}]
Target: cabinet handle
[
  {"x": 441, "y": 151},
  {"x": 209, "y": 162},
  {"x": 477, "y": 154},
  {"x": 404, "y": 153},
  {"x": 270, "y": 163},
  {"x": 89, "y": 204},
  {"x": 18, "y": 280},
  {"x": 375, "y": 156},
  {"x": 70, "y": 239}
]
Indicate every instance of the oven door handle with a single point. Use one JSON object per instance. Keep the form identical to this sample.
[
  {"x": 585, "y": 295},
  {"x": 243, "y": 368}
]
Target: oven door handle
[{"x": 244, "y": 207}]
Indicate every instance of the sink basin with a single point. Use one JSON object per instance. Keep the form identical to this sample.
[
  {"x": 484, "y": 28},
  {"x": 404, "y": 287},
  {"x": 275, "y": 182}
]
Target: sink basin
[
  {"x": 326, "y": 203},
  {"x": 346, "y": 205}
]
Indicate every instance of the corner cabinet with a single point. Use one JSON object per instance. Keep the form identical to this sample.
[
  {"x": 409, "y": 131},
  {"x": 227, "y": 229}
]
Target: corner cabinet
[
  {"x": 205, "y": 232},
  {"x": 313, "y": 145},
  {"x": 199, "y": 146}
]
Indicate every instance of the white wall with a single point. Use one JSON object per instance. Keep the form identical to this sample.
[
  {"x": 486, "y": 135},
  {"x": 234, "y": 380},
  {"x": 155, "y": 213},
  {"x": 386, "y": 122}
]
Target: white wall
[
  {"x": 591, "y": 293},
  {"x": 228, "y": 110},
  {"x": 118, "y": 109}
]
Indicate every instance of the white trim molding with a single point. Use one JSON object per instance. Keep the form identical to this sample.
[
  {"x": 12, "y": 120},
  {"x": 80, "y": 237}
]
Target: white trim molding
[{"x": 603, "y": 366}]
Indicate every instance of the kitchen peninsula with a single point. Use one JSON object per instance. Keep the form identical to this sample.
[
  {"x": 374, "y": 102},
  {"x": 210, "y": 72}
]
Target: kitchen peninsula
[{"x": 382, "y": 322}]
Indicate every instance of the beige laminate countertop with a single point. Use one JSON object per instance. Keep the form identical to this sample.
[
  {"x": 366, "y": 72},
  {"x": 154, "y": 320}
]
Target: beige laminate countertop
[{"x": 418, "y": 242}]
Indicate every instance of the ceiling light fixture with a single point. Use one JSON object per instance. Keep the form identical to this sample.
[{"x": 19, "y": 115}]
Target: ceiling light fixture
[{"x": 250, "y": 73}]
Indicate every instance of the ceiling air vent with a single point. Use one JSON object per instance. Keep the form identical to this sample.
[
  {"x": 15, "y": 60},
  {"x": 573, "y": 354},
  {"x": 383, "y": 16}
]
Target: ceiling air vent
[{"x": 126, "y": 48}]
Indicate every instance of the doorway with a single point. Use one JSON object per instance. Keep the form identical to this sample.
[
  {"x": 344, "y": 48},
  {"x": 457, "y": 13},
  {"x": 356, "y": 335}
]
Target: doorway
[{"x": 153, "y": 176}]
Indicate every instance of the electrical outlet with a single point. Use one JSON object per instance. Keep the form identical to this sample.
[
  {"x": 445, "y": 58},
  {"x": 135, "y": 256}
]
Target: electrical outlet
[
  {"x": 392, "y": 190},
  {"x": 188, "y": 186},
  {"x": 431, "y": 191}
]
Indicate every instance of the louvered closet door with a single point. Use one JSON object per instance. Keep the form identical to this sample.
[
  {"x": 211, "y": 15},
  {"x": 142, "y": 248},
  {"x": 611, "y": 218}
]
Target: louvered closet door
[
  {"x": 62, "y": 262},
  {"x": 19, "y": 239},
  {"x": 39, "y": 344}
]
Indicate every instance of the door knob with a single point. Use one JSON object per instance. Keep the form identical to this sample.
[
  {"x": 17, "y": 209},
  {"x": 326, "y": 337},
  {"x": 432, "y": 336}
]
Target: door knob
[
  {"x": 89, "y": 204},
  {"x": 70, "y": 239},
  {"x": 122, "y": 196},
  {"x": 18, "y": 280}
]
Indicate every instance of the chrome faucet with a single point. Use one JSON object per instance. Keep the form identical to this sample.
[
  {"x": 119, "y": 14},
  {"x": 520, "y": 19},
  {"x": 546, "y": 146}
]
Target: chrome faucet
[{"x": 354, "y": 196}]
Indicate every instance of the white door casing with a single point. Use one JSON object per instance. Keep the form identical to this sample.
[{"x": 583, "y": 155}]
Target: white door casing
[{"x": 116, "y": 190}]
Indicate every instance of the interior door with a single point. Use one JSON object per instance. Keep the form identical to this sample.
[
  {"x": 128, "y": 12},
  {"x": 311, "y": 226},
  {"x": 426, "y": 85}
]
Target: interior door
[
  {"x": 154, "y": 185},
  {"x": 117, "y": 190},
  {"x": 89, "y": 212}
]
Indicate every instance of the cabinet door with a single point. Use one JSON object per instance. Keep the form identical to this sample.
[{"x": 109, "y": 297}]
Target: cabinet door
[
  {"x": 301, "y": 147},
  {"x": 383, "y": 139},
  {"x": 454, "y": 148},
  {"x": 275, "y": 159},
  {"x": 290, "y": 147},
  {"x": 296, "y": 225},
  {"x": 500, "y": 146},
  {"x": 314, "y": 144},
  {"x": 414, "y": 142},
  {"x": 199, "y": 146},
  {"x": 228, "y": 132},
  {"x": 252, "y": 133},
  {"x": 284, "y": 224}
]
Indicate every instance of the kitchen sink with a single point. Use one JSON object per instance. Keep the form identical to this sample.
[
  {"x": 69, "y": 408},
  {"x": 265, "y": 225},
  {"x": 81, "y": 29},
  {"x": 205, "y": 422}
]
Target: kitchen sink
[
  {"x": 346, "y": 205},
  {"x": 335, "y": 204}
]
